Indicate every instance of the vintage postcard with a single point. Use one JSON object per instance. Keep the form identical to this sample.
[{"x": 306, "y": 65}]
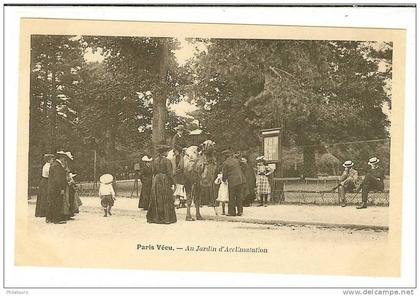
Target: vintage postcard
[{"x": 210, "y": 147}]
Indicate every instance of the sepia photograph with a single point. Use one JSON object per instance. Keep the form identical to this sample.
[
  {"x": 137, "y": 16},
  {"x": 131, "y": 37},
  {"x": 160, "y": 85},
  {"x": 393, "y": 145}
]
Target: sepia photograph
[{"x": 201, "y": 147}]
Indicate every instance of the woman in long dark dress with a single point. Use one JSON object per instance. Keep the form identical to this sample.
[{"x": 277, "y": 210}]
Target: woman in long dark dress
[
  {"x": 161, "y": 206},
  {"x": 146, "y": 177},
  {"x": 42, "y": 197}
]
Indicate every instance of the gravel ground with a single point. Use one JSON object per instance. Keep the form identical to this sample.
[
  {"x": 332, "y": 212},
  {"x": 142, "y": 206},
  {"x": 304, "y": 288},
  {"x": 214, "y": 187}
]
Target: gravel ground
[
  {"x": 124, "y": 222},
  {"x": 92, "y": 240}
]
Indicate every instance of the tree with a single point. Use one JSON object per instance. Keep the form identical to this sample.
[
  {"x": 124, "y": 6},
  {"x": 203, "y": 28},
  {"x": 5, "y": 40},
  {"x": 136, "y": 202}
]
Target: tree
[
  {"x": 141, "y": 65},
  {"x": 112, "y": 114},
  {"x": 316, "y": 91},
  {"x": 56, "y": 63}
]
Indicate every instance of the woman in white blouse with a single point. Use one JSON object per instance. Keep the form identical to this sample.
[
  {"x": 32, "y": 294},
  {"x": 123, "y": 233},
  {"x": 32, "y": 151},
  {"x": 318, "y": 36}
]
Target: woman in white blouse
[{"x": 42, "y": 198}]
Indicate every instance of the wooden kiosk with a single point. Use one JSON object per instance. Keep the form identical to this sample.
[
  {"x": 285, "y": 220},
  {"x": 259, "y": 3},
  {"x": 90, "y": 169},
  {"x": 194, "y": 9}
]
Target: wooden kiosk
[{"x": 273, "y": 154}]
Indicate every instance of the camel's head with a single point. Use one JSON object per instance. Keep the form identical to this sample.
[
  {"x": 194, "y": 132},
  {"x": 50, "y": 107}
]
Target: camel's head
[
  {"x": 191, "y": 152},
  {"x": 171, "y": 155},
  {"x": 208, "y": 146}
]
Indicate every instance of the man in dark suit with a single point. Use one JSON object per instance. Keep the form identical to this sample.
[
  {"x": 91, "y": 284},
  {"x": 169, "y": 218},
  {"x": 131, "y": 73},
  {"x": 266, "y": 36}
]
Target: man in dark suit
[
  {"x": 249, "y": 188},
  {"x": 373, "y": 181},
  {"x": 232, "y": 173},
  {"x": 57, "y": 183},
  {"x": 179, "y": 141}
]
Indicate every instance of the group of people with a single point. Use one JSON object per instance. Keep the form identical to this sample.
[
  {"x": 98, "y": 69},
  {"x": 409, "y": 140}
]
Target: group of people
[
  {"x": 349, "y": 181},
  {"x": 57, "y": 198},
  {"x": 239, "y": 183},
  {"x": 163, "y": 182},
  {"x": 235, "y": 183}
]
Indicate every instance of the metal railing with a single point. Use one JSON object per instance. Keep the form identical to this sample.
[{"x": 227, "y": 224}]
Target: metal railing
[{"x": 318, "y": 191}]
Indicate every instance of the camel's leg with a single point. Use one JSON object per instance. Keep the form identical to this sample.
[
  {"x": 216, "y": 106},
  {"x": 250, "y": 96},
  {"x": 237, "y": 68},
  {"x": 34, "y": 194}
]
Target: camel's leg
[
  {"x": 189, "y": 201},
  {"x": 197, "y": 201}
]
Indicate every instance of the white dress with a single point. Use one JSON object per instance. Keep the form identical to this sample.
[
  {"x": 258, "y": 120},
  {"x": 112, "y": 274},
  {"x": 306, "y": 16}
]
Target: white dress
[{"x": 223, "y": 194}]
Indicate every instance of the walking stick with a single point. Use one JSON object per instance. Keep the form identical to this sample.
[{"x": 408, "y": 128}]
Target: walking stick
[
  {"x": 335, "y": 187},
  {"x": 357, "y": 192}
]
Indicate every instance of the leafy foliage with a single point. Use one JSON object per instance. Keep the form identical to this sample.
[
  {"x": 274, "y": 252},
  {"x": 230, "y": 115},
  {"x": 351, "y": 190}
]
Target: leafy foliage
[
  {"x": 316, "y": 91},
  {"x": 55, "y": 82}
]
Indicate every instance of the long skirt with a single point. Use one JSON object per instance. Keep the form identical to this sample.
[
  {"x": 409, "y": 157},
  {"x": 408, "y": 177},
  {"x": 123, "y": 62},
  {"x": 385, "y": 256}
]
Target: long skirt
[
  {"x": 55, "y": 207},
  {"x": 68, "y": 200},
  {"x": 161, "y": 207},
  {"x": 77, "y": 202},
  {"x": 263, "y": 186},
  {"x": 42, "y": 199},
  {"x": 144, "y": 199}
]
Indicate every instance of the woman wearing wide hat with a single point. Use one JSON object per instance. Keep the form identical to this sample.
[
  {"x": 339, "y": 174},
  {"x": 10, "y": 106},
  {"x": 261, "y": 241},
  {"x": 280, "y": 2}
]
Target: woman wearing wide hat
[
  {"x": 161, "y": 206},
  {"x": 262, "y": 183},
  {"x": 42, "y": 197},
  {"x": 57, "y": 183},
  {"x": 146, "y": 176},
  {"x": 68, "y": 200}
]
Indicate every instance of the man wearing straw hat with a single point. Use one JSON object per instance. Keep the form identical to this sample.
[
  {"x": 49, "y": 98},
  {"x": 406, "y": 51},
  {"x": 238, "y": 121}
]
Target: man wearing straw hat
[
  {"x": 57, "y": 182},
  {"x": 347, "y": 181},
  {"x": 374, "y": 180}
]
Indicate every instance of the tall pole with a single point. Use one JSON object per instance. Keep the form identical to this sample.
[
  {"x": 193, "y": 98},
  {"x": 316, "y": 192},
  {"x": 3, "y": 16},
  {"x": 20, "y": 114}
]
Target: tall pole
[
  {"x": 94, "y": 168},
  {"x": 280, "y": 153}
]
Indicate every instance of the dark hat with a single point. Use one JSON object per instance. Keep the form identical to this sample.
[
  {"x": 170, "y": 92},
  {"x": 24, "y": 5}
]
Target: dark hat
[
  {"x": 48, "y": 156},
  {"x": 162, "y": 146}
]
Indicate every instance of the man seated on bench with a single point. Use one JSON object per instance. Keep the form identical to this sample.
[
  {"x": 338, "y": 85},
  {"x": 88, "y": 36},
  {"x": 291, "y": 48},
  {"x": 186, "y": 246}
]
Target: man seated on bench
[
  {"x": 373, "y": 181},
  {"x": 347, "y": 181}
]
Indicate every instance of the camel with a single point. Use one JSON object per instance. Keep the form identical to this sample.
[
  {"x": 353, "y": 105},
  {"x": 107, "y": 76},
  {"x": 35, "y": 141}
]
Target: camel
[{"x": 199, "y": 168}]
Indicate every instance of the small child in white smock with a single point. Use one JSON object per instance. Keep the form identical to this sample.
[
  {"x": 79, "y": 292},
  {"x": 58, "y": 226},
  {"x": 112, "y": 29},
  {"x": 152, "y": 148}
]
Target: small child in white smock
[
  {"x": 223, "y": 194},
  {"x": 106, "y": 193}
]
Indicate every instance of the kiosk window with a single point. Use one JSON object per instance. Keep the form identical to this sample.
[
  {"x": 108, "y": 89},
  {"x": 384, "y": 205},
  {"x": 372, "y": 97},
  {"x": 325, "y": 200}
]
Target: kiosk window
[{"x": 271, "y": 148}]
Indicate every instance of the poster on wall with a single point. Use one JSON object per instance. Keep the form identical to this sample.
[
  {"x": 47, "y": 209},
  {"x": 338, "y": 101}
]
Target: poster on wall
[{"x": 271, "y": 148}]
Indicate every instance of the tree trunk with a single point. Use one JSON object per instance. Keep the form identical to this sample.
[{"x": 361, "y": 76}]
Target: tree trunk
[
  {"x": 158, "y": 122},
  {"x": 53, "y": 115},
  {"x": 309, "y": 166},
  {"x": 109, "y": 142},
  {"x": 110, "y": 132},
  {"x": 159, "y": 100}
]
